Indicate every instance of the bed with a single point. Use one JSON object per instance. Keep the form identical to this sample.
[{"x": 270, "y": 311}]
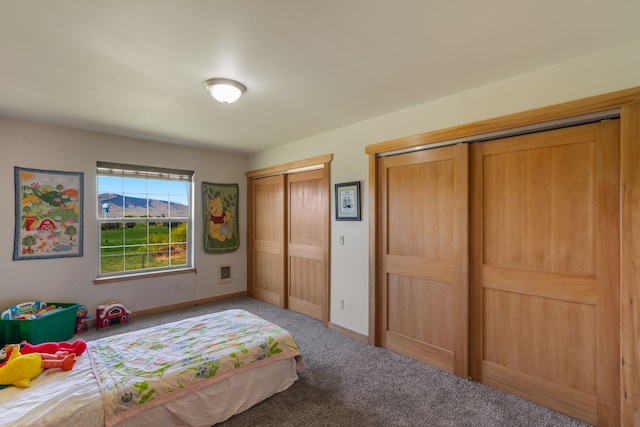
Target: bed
[{"x": 194, "y": 372}]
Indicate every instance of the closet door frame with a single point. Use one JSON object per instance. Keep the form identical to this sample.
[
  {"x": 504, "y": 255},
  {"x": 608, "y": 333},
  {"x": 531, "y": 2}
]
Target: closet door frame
[
  {"x": 627, "y": 102},
  {"x": 319, "y": 162}
]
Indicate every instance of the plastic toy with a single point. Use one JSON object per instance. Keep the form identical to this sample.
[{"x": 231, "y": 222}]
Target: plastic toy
[
  {"x": 76, "y": 348},
  {"x": 111, "y": 313},
  {"x": 61, "y": 359},
  {"x": 23, "y": 310},
  {"x": 81, "y": 320},
  {"x": 20, "y": 369},
  {"x": 28, "y": 310}
]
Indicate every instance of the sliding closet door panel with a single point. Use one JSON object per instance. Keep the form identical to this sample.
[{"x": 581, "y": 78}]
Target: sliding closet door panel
[
  {"x": 268, "y": 227},
  {"x": 308, "y": 231},
  {"x": 424, "y": 283},
  {"x": 545, "y": 315}
]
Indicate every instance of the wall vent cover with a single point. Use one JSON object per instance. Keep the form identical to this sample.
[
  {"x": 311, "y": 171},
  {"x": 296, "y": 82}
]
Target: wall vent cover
[{"x": 224, "y": 273}]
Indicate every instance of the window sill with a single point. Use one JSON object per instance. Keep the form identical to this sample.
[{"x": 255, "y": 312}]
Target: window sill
[{"x": 128, "y": 277}]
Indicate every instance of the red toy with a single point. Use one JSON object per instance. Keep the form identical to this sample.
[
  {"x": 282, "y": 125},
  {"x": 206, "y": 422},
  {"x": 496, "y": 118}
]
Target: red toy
[
  {"x": 61, "y": 359},
  {"x": 111, "y": 313},
  {"x": 54, "y": 354},
  {"x": 77, "y": 347}
]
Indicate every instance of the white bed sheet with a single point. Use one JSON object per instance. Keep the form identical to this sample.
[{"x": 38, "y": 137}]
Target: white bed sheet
[
  {"x": 58, "y": 398},
  {"x": 55, "y": 396}
]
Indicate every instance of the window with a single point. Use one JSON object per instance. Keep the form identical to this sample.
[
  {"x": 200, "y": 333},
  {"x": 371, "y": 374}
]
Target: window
[{"x": 144, "y": 219}]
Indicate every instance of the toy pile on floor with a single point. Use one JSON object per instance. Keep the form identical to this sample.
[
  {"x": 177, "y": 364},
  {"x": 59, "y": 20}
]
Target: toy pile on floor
[
  {"x": 28, "y": 310},
  {"x": 20, "y": 363}
]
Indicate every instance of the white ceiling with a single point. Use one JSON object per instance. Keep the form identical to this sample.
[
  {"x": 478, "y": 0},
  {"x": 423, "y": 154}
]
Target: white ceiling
[{"x": 136, "y": 67}]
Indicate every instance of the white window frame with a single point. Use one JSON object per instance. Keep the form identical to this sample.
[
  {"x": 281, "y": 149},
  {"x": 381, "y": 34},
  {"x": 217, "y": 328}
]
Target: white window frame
[{"x": 144, "y": 173}]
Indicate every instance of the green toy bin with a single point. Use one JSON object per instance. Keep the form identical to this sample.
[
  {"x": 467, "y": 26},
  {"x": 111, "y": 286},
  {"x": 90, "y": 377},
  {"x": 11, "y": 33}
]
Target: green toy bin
[{"x": 54, "y": 325}]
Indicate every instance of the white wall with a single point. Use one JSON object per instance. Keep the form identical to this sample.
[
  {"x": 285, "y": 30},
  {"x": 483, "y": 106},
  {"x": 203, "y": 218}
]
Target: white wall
[
  {"x": 601, "y": 72},
  {"x": 71, "y": 279},
  {"x": 37, "y": 146}
]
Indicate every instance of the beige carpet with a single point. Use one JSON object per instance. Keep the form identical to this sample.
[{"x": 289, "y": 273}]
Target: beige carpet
[{"x": 350, "y": 383}]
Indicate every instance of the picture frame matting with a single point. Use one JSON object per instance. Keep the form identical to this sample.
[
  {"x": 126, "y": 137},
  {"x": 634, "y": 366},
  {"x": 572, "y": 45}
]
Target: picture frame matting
[{"x": 347, "y": 201}]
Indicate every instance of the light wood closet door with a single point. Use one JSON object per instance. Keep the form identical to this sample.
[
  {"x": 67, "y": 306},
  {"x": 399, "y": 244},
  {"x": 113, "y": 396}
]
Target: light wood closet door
[
  {"x": 308, "y": 284},
  {"x": 423, "y": 282},
  {"x": 545, "y": 263},
  {"x": 268, "y": 251}
]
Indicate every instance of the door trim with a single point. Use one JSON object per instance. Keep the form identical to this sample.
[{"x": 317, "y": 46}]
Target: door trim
[
  {"x": 613, "y": 113},
  {"x": 312, "y": 163}
]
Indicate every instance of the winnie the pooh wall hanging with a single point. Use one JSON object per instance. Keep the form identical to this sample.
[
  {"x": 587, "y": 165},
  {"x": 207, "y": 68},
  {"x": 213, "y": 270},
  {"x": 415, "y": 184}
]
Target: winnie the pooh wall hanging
[{"x": 220, "y": 214}]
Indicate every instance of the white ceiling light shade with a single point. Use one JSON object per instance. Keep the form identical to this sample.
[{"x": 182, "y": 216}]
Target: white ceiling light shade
[{"x": 226, "y": 91}]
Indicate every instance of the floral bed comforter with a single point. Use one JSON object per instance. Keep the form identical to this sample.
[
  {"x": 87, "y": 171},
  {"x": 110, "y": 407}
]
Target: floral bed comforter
[{"x": 143, "y": 369}]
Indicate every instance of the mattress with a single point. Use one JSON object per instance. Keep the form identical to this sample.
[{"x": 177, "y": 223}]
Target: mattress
[{"x": 253, "y": 360}]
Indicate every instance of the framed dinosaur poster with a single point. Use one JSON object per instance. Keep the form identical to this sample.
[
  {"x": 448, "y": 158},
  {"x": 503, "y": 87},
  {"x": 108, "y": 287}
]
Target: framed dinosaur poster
[{"x": 48, "y": 214}]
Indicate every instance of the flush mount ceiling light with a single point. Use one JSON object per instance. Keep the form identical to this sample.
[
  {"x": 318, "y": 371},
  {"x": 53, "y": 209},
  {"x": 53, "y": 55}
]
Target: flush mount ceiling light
[{"x": 226, "y": 91}]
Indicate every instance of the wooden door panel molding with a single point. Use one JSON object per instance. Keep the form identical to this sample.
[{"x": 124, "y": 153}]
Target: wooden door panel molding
[
  {"x": 271, "y": 247},
  {"x": 423, "y": 276},
  {"x": 423, "y": 352},
  {"x": 541, "y": 337},
  {"x": 547, "y": 393},
  {"x": 267, "y": 281},
  {"x": 545, "y": 293},
  {"x": 306, "y": 196},
  {"x": 537, "y": 212},
  {"x": 551, "y": 285},
  {"x": 441, "y": 271},
  {"x": 302, "y": 306},
  {"x": 308, "y": 241},
  {"x": 267, "y": 277},
  {"x": 306, "y": 280},
  {"x": 267, "y": 249},
  {"x": 429, "y": 323},
  {"x": 306, "y": 251},
  {"x": 426, "y": 233}
]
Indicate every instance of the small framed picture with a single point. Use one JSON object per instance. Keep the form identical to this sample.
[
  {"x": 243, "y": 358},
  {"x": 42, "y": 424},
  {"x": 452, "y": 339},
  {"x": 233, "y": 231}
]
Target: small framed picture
[{"x": 348, "y": 201}]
